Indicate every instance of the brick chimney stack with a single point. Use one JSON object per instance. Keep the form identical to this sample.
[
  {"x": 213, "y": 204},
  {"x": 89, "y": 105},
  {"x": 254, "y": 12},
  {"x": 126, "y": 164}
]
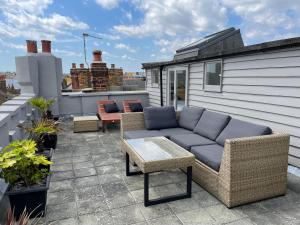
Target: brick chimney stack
[
  {"x": 97, "y": 56},
  {"x": 112, "y": 66},
  {"x": 73, "y": 65},
  {"x": 81, "y": 66},
  {"x": 31, "y": 46},
  {"x": 46, "y": 46}
]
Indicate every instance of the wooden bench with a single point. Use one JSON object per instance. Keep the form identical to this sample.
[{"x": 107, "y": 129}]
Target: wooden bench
[
  {"x": 105, "y": 117},
  {"x": 126, "y": 107}
]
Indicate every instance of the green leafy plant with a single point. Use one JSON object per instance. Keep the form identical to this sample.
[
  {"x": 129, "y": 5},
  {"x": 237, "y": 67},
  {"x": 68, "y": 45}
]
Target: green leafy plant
[
  {"x": 42, "y": 105},
  {"x": 20, "y": 164}
]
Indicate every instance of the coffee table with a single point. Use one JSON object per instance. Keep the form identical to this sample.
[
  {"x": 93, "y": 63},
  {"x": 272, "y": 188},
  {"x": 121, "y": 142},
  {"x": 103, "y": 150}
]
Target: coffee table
[{"x": 155, "y": 154}]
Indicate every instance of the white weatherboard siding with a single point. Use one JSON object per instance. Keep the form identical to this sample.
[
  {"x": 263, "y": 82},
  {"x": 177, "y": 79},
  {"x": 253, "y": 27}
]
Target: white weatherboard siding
[{"x": 262, "y": 88}]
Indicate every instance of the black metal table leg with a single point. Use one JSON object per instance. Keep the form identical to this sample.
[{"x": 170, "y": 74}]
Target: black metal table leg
[
  {"x": 128, "y": 172},
  {"x": 188, "y": 193}
]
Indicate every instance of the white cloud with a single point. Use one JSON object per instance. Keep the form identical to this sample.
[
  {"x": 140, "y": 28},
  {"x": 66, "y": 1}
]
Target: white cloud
[
  {"x": 128, "y": 15},
  {"x": 126, "y": 47},
  {"x": 108, "y": 4},
  {"x": 67, "y": 53},
  {"x": 176, "y": 17},
  {"x": 112, "y": 37},
  {"x": 266, "y": 20},
  {"x": 27, "y": 19},
  {"x": 126, "y": 57}
]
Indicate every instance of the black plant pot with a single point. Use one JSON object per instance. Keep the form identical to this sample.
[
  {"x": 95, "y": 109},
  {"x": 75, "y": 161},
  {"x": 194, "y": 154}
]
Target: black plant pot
[
  {"x": 49, "y": 141},
  {"x": 34, "y": 199}
]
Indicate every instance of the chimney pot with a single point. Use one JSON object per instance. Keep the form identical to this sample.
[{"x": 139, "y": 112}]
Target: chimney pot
[
  {"x": 31, "y": 46},
  {"x": 46, "y": 46},
  {"x": 81, "y": 66},
  {"x": 97, "y": 55},
  {"x": 112, "y": 66},
  {"x": 73, "y": 65}
]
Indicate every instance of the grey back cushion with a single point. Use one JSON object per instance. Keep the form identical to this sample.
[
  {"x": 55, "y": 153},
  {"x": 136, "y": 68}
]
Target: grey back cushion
[
  {"x": 211, "y": 124},
  {"x": 237, "y": 128},
  {"x": 160, "y": 117},
  {"x": 189, "y": 117}
]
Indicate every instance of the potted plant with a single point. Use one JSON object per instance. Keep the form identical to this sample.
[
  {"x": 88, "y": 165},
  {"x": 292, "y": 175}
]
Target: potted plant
[
  {"x": 43, "y": 106},
  {"x": 28, "y": 183},
  {"x": 44, "y": 133}
]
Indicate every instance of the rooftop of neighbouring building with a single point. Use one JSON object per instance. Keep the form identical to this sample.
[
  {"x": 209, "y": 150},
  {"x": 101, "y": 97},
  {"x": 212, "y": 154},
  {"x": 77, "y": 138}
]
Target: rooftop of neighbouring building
[{"x": 222, "y": 44}]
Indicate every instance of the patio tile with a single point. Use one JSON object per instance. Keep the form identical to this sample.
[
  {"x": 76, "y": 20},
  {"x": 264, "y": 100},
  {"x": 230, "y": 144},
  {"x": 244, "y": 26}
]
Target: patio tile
[
  {"x": 198, "y": 216},
  {"x": 127, "y": 215},
  {"x": 92, "y": 205},
  {"x": 86, "y": 181},
  {"x": 60, "y": 197},
  {"x": 56, "y": 176},
  {"x": 85, "y": 172},
  {"x": 155, "y": 211},
  {"x": 61, "y": 167},
  {"x": 268, "y": 219},
  {"x": 120, "y": 200},
  {"x": 245, "y": 221},
  {"x": 252, "y": 209},
  {"x": 70, "y": 221},
  {"x": 166, "y": 220},
  {"x": 81, "y": 152},
  {"x": 205, "y": 199},
  {"x": 100, "y": 218},
  {"x": 158, "y": 179},
  {"x": 103, "y": 162},
  {"x": 184, "y": 205},
  {"x": 169, "y": 189},
  {"x": 221, "y": 214},
  {"x": 62, "y": 211},
  {"x": 109, "y": 169},
  {"x": 80, "y": 165},
  {"x": 60, "y": 155},
  {"x": 195, "y": 187},
  {"x": 111, "y": 189},
  {"x": 138, "y": 195},
  {"x": 61, "y": 185},
  {"x": 290, "y": 212},
  {"x": 62, "y": 160},
  {"x": 109, "y": 178},
  {"x": 89, "y": 192},
  {"x": 82, "y": 158}
]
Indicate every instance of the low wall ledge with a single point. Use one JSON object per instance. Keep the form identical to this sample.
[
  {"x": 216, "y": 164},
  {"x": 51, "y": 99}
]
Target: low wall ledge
[{"x": 108, "y": 93}]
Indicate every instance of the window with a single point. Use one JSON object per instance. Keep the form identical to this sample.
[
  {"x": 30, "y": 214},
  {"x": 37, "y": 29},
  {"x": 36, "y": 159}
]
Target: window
[
  {"x": 213, "y": 76},
  {"x": 154, "y": 77}
]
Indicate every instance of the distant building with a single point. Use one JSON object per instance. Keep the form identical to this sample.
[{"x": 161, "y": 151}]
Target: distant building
[
  {"x": 98, "y": 76},
  {"x": 115, "y": 77},
  {"x": 3, "y": 92}
]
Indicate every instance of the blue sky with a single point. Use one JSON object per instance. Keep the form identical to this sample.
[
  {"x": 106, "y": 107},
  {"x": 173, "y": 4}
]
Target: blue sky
[{"x": 136, "y": 31}]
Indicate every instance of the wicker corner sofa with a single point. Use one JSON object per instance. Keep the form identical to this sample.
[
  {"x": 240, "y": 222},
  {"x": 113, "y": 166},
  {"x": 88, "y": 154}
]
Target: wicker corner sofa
[{"x": 251, "y": 169}]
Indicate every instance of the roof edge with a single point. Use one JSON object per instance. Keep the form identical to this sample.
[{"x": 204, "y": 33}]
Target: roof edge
[{"x": 261, "y": 47}]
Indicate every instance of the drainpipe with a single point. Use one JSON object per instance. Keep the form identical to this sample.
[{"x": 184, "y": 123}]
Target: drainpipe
[{"x": 161, "y": 86}]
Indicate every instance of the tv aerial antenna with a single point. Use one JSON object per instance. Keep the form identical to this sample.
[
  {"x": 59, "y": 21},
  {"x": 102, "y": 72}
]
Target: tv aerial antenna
[{"x": 85, "y": 35}]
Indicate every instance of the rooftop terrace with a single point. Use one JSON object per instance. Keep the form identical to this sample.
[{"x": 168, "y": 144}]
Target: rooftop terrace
[{"x": 89, "y": 186}]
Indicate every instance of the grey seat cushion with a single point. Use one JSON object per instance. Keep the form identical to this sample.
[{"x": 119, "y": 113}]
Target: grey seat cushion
[
  {"x": 237, "y": 128},
  {"x": 211, "y": 124},
  {"x": 142, "y": 133},
  {"x": 160, "y": 117},
  {"x": 210, "y": 155},
  {"x": 189, "y": 117},
  {"x": 175, "y": 131},
  {"x": 188, "y": 140}
]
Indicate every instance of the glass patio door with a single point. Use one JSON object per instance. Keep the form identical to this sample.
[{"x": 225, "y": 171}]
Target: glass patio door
[{"x": 177, "y": 88}]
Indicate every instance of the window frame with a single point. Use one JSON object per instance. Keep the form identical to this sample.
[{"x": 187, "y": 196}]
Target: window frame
[
  {"x": 153, "y": 83},
  {"x": 208, "y": 87}
]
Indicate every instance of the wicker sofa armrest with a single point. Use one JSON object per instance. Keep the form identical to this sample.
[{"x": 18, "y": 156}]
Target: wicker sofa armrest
[
  {"x": 132, "y": 121},
  {"x": 254, "y": 163}
]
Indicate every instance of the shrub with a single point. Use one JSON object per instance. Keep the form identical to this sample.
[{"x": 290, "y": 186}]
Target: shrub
[
  {"x": 19, "y": 163},
  {"x": 42, "y": 105}
]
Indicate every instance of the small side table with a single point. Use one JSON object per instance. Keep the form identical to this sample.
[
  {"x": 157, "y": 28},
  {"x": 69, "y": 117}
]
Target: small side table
[{"x": 85, "y": 123}]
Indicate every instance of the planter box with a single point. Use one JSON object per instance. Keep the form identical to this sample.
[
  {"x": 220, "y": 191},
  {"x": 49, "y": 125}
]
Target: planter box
[
  {"x": 34, "y": 199},
  {"x": 49, "y": 141}
]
